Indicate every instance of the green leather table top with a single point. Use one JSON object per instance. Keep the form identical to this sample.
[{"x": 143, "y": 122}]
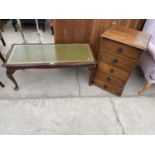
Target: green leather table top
[{"x": 50, "y": 53}]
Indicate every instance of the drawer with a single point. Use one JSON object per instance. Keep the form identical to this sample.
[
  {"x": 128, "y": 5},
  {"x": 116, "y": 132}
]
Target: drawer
[
  {"x": 109, "y": 79},
  {"x": 109, "y": 88},
  {"x": 120, "y": 49},
  {"x": 113, "y": 71},
  {"x": 117, "y": 61}
]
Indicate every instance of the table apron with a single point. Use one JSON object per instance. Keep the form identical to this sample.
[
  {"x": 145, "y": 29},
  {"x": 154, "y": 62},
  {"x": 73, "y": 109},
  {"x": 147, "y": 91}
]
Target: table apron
[{"x": 17, "y": 67}]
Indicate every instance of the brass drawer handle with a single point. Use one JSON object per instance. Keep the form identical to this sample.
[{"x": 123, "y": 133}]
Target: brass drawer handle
[
  {"x": 114, "y": 61},
  {"x": 119, "y": 50},
  {"x": 108, "y": 79},
  {"x": 111, "y": 70},
  {"x": 105, "y": 86}
]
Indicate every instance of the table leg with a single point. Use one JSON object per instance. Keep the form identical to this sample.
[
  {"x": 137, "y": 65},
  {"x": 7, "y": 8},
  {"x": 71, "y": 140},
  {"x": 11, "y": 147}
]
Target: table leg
[
  {"x": 2, "y": 39},
  {"x": 10, "y": 76},
  {"x": 14, "y": 25},
  {"x": 2, "y": 58},
  {"x": 92, "y": 69},
  {"x": 1, "y": 84}
]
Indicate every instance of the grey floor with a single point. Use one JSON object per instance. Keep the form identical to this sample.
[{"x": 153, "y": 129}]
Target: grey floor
[{"x": 59, "y": 101}]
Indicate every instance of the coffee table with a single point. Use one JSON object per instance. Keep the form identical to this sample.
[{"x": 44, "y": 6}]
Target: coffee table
[{"x": 45, "y": 56}]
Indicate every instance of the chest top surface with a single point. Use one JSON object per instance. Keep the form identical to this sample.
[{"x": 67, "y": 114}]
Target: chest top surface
[{"x": 128, "y": 36}]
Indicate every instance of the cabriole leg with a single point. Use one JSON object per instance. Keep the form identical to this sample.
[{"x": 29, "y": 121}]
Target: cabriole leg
[
  {"x": 146, "y": 86},
  {"x": 10, "y": 76}
]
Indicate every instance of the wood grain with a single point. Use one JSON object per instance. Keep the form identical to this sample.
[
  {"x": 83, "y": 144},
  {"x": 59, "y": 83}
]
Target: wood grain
[
  {"x": 72, "y": 30},
  {"x": 117, "y": 61},
  {"x": 109, "y": 79},
  {"x": 128, "y": 36},
  {"x": 113, "y": 71},
  {"x": 108, "y": 87},
  {"x": 120, "y": 49}
]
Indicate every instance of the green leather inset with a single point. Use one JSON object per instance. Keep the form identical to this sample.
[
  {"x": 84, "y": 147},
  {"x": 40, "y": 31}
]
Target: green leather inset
[{"x": 50, "y": 53}]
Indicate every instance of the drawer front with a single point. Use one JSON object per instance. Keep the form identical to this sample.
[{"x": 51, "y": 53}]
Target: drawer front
[
  {"x": 117, "y": 61},
  {"x": 113, "y": 71},
  {"x": 109, "y": 88},
  {"x": 120, "y": 49},
  {"x": 110, "y": 80}
]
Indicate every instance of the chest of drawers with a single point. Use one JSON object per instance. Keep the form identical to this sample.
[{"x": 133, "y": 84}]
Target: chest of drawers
[{"x": 120, "y": 49}]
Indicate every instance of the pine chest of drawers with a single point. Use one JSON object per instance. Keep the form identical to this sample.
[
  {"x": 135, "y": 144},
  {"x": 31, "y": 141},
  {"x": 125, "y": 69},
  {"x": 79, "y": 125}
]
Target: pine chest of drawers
[{"x": 120, "y": 49}]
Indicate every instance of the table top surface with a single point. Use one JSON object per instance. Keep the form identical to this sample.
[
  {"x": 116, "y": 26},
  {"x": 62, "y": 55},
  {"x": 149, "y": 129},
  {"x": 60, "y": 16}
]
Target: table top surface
[{"x": 49, "y": 54}]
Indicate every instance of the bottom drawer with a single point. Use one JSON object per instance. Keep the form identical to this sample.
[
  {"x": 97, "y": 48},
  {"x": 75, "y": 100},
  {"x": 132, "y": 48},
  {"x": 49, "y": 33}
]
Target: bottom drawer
[
  {"x": 109, "y": 79},
  {"x": 112, "y": 89}
]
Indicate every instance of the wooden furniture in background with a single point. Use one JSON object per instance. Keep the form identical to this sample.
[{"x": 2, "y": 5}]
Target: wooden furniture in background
[
  {"x": 119, "y": 51},
  {"x": 2, "y": 58},
  {"x": 2, "y": 39},
  {"x": 72, "y": 30},
  {"x": 1, "y": 25},
  {"x": 3, "y": 42},
  {"x": 89, "y": 30},
  {"x": 29, "y": 22},
  {"x": 51, "y": 26}
]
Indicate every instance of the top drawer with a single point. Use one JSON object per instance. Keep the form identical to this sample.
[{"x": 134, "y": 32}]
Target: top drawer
[{"x": 120, "y": 49}]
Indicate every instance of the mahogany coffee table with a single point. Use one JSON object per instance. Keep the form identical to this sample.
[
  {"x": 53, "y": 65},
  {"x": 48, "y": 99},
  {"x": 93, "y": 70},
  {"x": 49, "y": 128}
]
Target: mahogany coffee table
[{"x": 43, "y": 56}]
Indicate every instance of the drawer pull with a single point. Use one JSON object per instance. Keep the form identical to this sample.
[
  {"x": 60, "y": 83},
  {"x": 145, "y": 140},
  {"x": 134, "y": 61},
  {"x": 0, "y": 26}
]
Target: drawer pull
[
  {"x": 111, "y": 70},
  {"x": 120, "y": 50},
  {"x": 108, "y": 79},
  {"x": 114, "y": 61},
  {"x": 105, "y": 86}
]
